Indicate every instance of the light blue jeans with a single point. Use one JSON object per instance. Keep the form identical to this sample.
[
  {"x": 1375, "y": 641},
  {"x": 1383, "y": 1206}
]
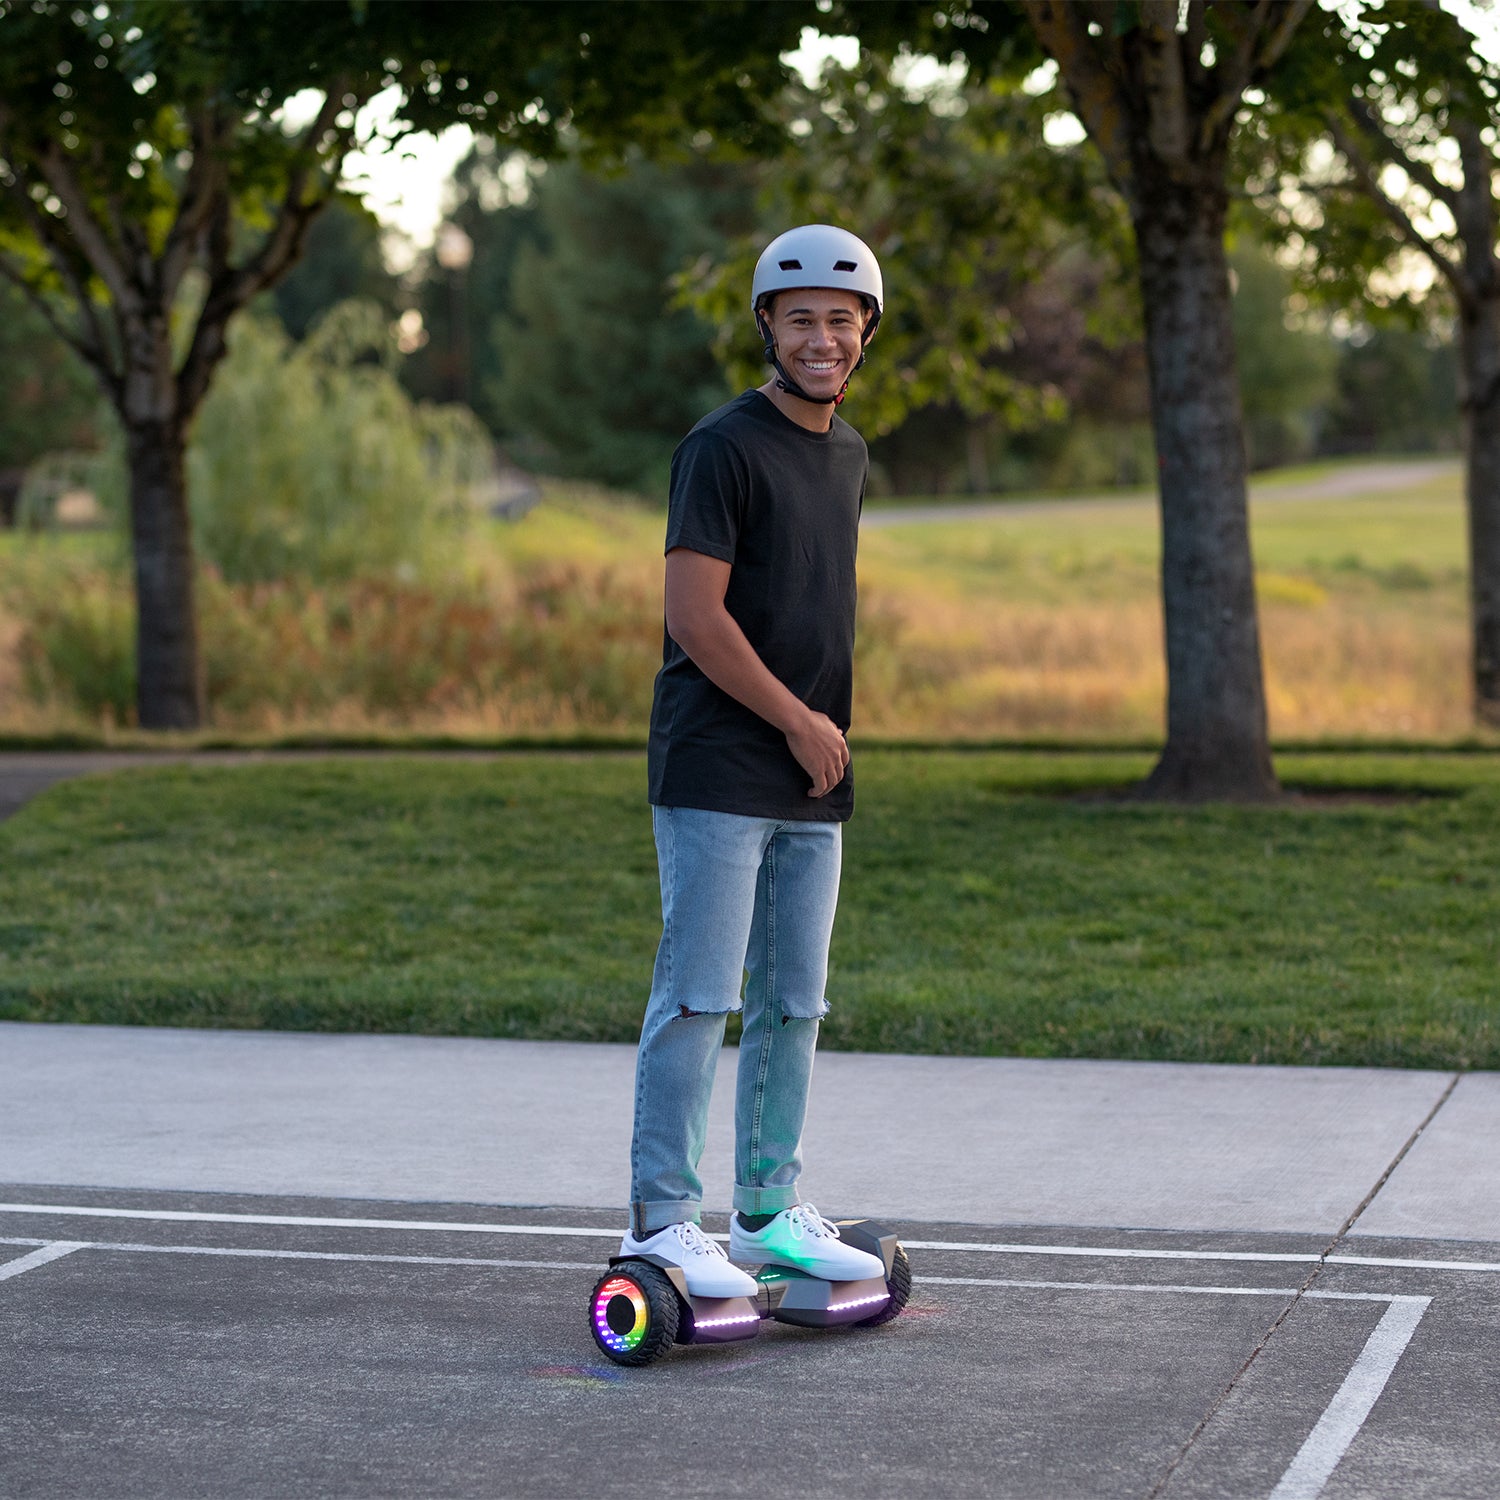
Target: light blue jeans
[{"x": 744, "y": 901}]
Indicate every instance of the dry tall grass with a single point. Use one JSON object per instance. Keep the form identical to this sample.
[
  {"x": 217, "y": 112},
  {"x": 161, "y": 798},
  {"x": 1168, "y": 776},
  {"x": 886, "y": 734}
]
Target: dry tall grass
[{"x": 1034, "y": 627}]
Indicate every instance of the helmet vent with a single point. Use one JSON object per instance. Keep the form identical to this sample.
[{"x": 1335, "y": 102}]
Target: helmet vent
[
  {"x": 845, "y": 265},
  {"x": 790, "y": 265}
]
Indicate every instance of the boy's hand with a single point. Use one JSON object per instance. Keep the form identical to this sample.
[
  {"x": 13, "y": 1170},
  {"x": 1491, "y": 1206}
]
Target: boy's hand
[{"x": 821, "y": 750}]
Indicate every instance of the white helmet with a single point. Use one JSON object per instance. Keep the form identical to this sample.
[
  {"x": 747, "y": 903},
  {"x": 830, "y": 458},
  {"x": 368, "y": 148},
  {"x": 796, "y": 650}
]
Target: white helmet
[{"x": 819, "y": 255}]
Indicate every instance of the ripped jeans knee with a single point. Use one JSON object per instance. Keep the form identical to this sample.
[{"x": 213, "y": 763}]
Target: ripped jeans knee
[{"x": 798, "y": 1010}]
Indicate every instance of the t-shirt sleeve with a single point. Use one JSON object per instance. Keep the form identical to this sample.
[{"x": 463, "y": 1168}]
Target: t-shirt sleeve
[{"x": 706, "y": 503}]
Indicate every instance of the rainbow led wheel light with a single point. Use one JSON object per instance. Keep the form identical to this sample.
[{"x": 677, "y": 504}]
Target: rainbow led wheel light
[{"x": 621, "y": 1314}]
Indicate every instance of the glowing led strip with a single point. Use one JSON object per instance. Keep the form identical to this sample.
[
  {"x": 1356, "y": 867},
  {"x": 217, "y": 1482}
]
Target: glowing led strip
[
  {"x": 859, "y": 1302},
  {"x": 726, "y": 1322}
]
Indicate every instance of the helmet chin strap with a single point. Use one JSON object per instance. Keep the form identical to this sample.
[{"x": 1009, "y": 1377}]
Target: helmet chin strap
[{"x": 784, "y": 382}]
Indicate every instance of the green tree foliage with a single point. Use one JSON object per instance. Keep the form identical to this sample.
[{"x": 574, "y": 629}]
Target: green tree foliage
[
  {"x": 1395, "y": 391},
  {"x": 309, "y": 460},
  {"x": 599, "y": 362},
  {"x": 146, "y": 138},
  {"x": 912, "y": 173}
]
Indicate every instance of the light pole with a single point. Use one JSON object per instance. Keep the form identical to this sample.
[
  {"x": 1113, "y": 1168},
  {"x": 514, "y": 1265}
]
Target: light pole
[{"x": 455, "y": 252}]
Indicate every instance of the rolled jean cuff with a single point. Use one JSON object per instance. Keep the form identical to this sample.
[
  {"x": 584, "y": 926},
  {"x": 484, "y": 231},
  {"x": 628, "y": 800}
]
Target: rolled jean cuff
[
  {"x": 647, "y": 1218},
  {"x": 764, "y": 1200}
]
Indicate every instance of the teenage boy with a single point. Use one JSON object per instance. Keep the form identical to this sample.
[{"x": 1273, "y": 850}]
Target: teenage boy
[{"x": 749, "y": 772}]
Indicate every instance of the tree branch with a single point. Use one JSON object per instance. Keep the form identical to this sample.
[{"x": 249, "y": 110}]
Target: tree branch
[
  {"x": 230, "y": 288},
  {"x": 1168, "y": 113},
  {"x": 1419, "y": 171},
  {"x": 1194, "y": 41},
  {"x": 1233, "y": 74},
  {"x": 1098, "y": 93},
  {"x": 278, "y": 250},
  {"x": 85, "y": 230},
  {"x": 94, "y": 355},
  {"x": 201, "y": 196},
  {"x": 1267, "y": 34},
  {"x": 1290, "y": 15},
  {"x": 52, "y": 241},
  {"x": 1369, "y": 180}
]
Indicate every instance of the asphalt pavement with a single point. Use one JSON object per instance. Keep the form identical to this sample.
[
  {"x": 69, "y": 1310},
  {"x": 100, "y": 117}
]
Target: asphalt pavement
[{"x": 237, "y": 1263}]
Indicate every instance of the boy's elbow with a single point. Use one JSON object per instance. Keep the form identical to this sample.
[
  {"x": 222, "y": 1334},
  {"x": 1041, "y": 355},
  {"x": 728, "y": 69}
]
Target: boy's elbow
[{"x": 686, "y": 631}]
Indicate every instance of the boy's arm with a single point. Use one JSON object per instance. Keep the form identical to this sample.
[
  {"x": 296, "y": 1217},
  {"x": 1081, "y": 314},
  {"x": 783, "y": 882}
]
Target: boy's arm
[{"x": 699, "y": 623}]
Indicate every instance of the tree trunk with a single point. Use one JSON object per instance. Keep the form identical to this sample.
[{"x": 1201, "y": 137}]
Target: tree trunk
[
  {"x": 168, "y": 681},
  {"x": 1217, "y": 744},
  {"x": 1479, "y": 346}
]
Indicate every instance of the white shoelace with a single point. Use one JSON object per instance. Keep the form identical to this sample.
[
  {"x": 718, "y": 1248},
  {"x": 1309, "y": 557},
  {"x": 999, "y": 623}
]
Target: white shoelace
[
  {"x": 692, "y": 1239},
  {"x": 805, "y": 1220}
]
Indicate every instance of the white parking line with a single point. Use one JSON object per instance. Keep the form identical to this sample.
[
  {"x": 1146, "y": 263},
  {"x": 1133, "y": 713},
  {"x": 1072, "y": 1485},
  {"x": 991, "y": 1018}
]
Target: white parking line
[
  {"x": 565, "y": 1231},
  {"x": 1160, "y": 1286},
  {"x": 1343, "y": 1417},
  {"x": 1304, "y": 1478},
  {"x": 1110, "y": 1252},
  {"x": 49, "y": 1251},
  {"x": 256, "y": 1252},
  {"x": 300, "y": 1221}
]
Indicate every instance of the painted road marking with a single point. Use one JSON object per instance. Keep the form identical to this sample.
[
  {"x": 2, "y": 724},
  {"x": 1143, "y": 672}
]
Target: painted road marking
[
  {"x": 1147, "y": 1286},
  {"x": 1303, "y": 1479},
  {"x": 258, "y": 1253},
  {"x": 1343, "y": 1417},
  {"x": 1304, "y": 1257},
  {"x": 296, "y": 1221},
  {"x": 561, "y": 1231},
  {"x": 50, "y": 1250}
]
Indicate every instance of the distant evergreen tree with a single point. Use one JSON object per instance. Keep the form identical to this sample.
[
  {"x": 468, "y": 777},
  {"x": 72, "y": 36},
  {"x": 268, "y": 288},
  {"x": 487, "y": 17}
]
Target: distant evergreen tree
[
  {"x": 463, "y": 357},
  {"x": 599, "y": 362},
  {"x": 1396, "y": 392},
  {"x": 342, "y": 263}
]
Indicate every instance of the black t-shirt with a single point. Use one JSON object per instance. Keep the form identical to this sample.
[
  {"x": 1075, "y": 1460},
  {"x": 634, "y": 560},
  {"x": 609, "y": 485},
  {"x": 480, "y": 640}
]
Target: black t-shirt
[{"x": 781, "y": 505}]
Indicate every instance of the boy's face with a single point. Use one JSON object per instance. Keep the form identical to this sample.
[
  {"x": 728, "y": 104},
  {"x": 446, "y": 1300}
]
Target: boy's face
[{"x": 819, "y": 337}]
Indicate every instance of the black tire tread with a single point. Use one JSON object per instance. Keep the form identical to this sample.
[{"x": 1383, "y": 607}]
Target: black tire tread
[
  {"x": 662, "y": 1307},
  {"x": 898, "y": 1284}
]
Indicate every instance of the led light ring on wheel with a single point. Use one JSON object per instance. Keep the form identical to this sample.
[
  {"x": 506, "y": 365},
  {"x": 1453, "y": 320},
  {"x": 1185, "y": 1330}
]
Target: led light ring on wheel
[{"x": 617, "y": 1297}]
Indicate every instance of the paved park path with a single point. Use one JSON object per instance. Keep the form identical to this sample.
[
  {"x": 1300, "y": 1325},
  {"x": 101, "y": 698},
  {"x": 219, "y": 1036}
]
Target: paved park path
[{"x": 1347, "y": 482}]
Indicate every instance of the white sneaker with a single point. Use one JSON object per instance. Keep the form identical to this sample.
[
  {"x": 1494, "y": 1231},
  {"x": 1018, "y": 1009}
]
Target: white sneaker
[
  {"x": 703, "y": 1262},
  {"x": 803, "y": 1239}
]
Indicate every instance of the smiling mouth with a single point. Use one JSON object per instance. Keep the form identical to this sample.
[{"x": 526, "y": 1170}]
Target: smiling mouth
[{"x": 820, "y": 366}]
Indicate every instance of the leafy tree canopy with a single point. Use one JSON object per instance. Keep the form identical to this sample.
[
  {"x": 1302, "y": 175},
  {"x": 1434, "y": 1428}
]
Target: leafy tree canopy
[
  {"x": 156, "y": 132},
  {"x": 145, "y": 139},
  {"x": 1409, "y": 106},
  {"x": 916, "y": 174}
]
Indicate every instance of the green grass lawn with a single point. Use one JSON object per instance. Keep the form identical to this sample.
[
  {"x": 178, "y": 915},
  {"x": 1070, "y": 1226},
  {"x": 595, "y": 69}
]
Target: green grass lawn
[{"x": 994, "y": 903}]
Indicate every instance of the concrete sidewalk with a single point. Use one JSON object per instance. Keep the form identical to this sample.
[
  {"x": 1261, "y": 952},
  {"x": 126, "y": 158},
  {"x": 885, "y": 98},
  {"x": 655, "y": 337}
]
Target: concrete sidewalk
[{"x": 984, "y": 1141}]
